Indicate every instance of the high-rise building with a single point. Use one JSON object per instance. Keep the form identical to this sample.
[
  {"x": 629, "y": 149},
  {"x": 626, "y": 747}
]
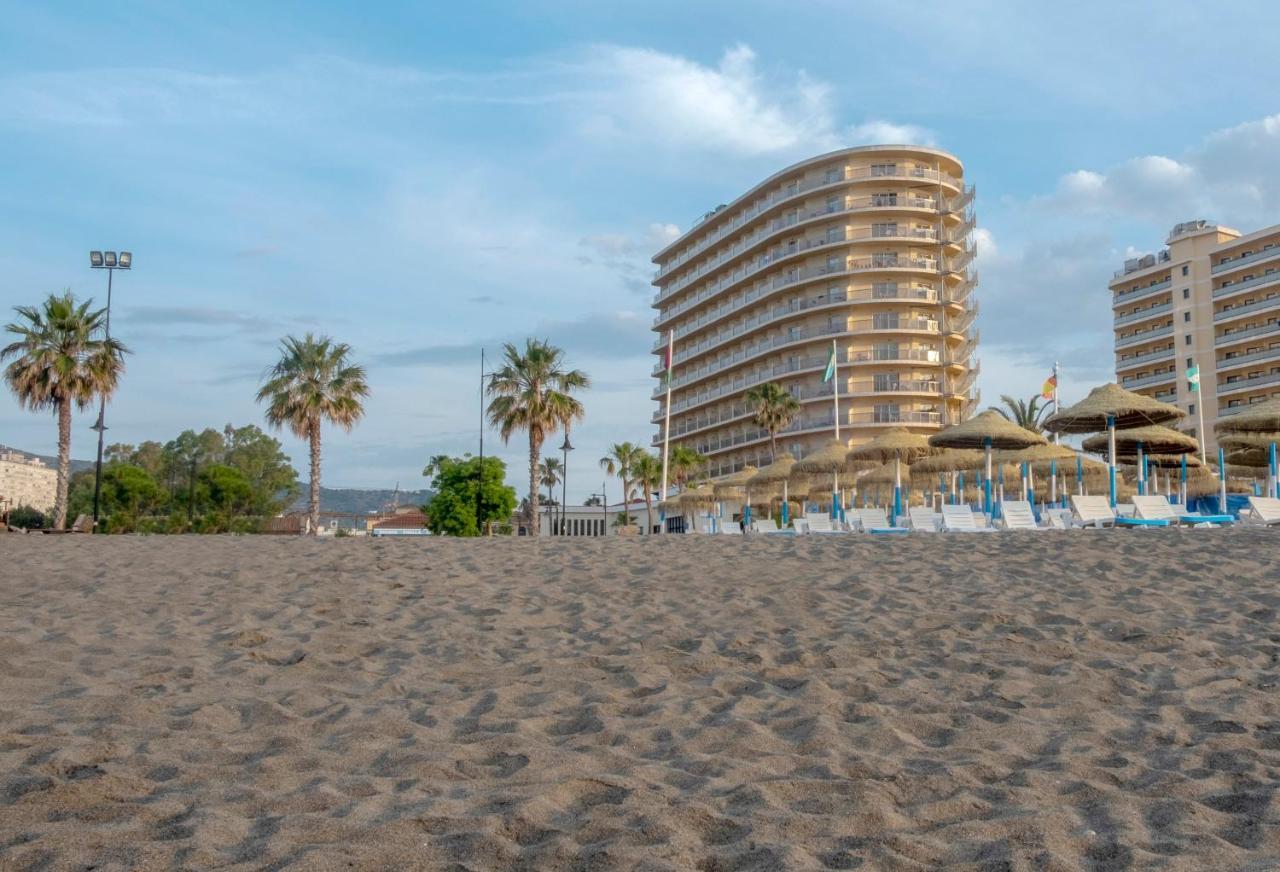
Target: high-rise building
[
  {"x": 1210, "y": 300},
  {"x": 869, "y": 247}
]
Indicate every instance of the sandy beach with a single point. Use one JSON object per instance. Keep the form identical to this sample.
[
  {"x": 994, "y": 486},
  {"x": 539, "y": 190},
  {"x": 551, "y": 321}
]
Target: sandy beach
[{"x": 1096, "y": 700}]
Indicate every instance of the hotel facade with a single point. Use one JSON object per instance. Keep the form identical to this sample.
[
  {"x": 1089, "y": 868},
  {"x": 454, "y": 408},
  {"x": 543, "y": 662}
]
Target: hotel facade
[
  {"x": 1210, "y": 299},
  {"x": 26, "y": 481},
  {"x": 869, "y": 247}
]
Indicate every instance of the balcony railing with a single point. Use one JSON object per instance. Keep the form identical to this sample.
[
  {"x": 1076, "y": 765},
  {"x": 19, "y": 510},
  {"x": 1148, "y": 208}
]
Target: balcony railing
[
  {"x": 1148, "y": 357},
  {"x": 1236, "y": 263},
  {"x": 1158, "y": 378},
  {"x": 1246, "y": 359},
  {"x": 1249, "y": 384},
  {"x": 1271, "y": 302},
  {"x": 1143, "y": 314},
  {"x": 1247, "y": 284},
  {"x": 798, "y": 189},
  {"x": 1139, "y": 293},
  {"x": 1146, "y": 336},
  {"x": 1263, "y": 330}
]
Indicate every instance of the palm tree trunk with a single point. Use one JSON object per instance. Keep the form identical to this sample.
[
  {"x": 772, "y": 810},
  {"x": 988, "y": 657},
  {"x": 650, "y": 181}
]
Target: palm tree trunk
[
  {"x": 535, "y": 450},
  {"x": 773, "y": 446},
  {"x": 64, "y": 464},
  {"x": 314, "y": 507},
  {"x": 648, "y": 513},
  {"x": 626, "y": 489}
]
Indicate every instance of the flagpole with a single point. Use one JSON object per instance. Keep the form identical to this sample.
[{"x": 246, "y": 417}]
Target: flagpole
[
  {"x": 1056, "y": 407},
  {"x": 666, "y": 424},
  {"x": 1200, "y": 411}
]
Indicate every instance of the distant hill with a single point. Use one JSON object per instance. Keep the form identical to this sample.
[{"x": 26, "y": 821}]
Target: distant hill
[
  {"x": 357, "y": 501},
  {"x": 76, "y": 465}
]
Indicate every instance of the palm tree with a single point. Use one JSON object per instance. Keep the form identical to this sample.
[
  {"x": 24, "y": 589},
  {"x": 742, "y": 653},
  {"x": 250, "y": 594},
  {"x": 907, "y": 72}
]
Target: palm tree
[
  {"x": 62, "y": 358},
  {"x": 620, "y": 461},
  {"x": 314, "y": 381},
  {"x": 773, "y": 409},
  {"x": 550, "y": 471},
  {"x": 1027, "y": 414},
  {"x": 531, "y": 392},
  {"x": 647, "y": 472},
  {"x": 684, "y": 462}
]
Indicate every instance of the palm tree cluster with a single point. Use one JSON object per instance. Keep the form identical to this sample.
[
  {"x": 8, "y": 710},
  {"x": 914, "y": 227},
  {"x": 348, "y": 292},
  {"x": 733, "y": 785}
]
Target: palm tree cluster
[
  {"x": 1028, "y": 414},
  {"x": 773, "y": 409}
]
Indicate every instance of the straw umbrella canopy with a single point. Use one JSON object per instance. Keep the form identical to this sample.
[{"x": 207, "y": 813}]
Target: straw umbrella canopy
[
  {"x": 1110, "y": 407},
  {"x": 1242, "y": 439},
  {"x": 736, "y": 484},
  {"x": 831, "y": 458},
  {"x": 898, "y": 445},
  {"x": 986, "y": 430},
  {"x": 702, "y": 495},
  {"x": 777, "y": 473},
  {"x": 1152, "y": 439},
  {"x": 949, "y": 460},
  {"x": 1262, "y": 417},
  {"x": 1046, "y": 454},
  {"x": 1252, "y": 459},
  {"x": 882, "y": 474}
]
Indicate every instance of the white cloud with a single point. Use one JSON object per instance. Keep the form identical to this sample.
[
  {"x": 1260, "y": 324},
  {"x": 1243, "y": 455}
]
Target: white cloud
[
  {"x": 878, "y": 132},
  {"x": 1229, "y": 177}
]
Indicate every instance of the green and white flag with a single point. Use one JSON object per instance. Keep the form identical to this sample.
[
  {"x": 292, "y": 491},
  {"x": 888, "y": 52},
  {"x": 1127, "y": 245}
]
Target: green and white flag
[
  {"x": 830, "y": 372},
  {"x": 1193, "y": 378}
]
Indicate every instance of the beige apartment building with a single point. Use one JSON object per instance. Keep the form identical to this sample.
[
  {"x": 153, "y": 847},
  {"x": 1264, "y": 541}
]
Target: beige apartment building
[
  {"x": 26, "y": 482},
  {"x": 869, "y": 247},
  {"x": 1210, "y": 299}
]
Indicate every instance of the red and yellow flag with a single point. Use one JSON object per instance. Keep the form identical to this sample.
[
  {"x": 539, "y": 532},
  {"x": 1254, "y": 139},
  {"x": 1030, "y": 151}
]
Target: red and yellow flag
[{"x": 1049, "y": 384}]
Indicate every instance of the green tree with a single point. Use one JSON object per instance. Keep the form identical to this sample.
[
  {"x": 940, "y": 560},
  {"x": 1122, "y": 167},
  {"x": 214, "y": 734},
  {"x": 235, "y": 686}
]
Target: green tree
[
  {"x": 62, "y": 359},
  {"x": 261, "y": 459},
  {"x": 228, "y": 491},
  {"x": 313, "y": 382},
  {"x": 184, "y": 456},
  {"x": 647, "y": 470},
  {"x": 773, "y": 409},
  {"x": 683, "y": 464},
  {"x": 1027, "y": 414},
  {"x": 549, "y": 473},
  {"x": 533, "y": 392},
  {"x": 620, "y": 461},
  {"x": 27, "y": 518},
  {"x": 452, "y": 511},
  {"x": 128, "y": 494}
]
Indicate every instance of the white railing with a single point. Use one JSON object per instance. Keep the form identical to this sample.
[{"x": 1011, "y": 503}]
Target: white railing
[
  {"x": 1252, "y": 357},
  {"x": 1227, "y": 338},
  {"x": 797, "y": 189},
  {"x": 1248, "y": 284},
  {"x": 1258, "y": 306},
  {"x": 1145, "y": 336},
  {"x": 1158, "y": 378},
  {"x": 1149, "y": 357},
  {"x": 1237, "y": 262},
  {"x": 1249, "y": 384},
  {"x": 1139, "y": 293},
  {"x": 1143, "y": 314}
]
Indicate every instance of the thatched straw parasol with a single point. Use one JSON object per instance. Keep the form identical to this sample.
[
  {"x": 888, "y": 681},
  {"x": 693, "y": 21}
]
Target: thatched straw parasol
[
  {"x": 1152, "y": 439},
  {"x": 1247, "y": 458},
  {"x": 777, "y": 473},
  {"x": 898, "y": 445},
  {"x": 702, "y": 495},
  {"x": 1254, "y": 447},
  {"x": 882, "y": 474},
  {"x": 949, "y": 460},
  {"x": 1111, "y": 407},
  {"x": 735, "y": 484},
  {"x": 1047, "y": 457},
  {"x": 986, "y": 430},
  {"x": 832, "y": 459}
]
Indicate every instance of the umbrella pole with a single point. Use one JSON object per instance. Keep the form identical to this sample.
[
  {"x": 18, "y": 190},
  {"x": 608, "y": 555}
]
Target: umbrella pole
[
  {"x": 1053, "y": 483},
  {"x": 1080, "y": 475},
  {"x": 1182, "y": 482},
  {"x": 746, "y": 508},
  {"x": 784, "y": 503},
  {"x": 1111, "y": 457},
  {"x": 1222, "y": 481},
  {"x": 986, "y": 485},
  {"x": 897, "y": 492},
  {"x": 1273, "y": 473},
  {"x": 835, "y": 496}
]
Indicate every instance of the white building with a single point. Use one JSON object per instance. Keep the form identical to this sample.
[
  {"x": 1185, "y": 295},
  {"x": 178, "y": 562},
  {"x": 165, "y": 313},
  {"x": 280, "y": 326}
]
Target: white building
[
  {"x": 588, "y": 521},
  {"x": 26, "y": 481}
]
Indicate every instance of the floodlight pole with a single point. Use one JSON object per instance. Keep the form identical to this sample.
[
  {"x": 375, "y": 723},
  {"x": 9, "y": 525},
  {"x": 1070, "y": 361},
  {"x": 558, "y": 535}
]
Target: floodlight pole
[{"x": 110, "y": 266}]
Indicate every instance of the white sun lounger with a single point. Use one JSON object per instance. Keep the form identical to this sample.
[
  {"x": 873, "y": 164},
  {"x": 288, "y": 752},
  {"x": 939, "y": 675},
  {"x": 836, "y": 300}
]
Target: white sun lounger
[
  {"x": 1265, "y": 511},
  {"x": 924, "y": 519},
  {"x": 770, "y": 526},
  {"x": 1156, "y": 507},
  {"x": 959, "y": 519},
  {"x": 1018, "y": 515},
  {"x": 877, "y": 521},
  {"x": 1095, "y": 511},
  {"x": 731, "y": 528},
  {"x": 820, "y": 522}
]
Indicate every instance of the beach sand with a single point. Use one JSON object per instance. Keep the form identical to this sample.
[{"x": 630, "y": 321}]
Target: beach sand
[{"x": 1091, "y": 700}]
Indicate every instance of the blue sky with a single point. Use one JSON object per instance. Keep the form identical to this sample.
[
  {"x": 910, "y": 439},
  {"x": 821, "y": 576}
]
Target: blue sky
[{"x": 420, "y": 180}]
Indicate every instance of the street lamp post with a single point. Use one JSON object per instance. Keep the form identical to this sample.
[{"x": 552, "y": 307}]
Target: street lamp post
[
  {"x": 564, "y": 482},
  {"x": 109, "y": 261},
  {"x": 604, "y": 503}
]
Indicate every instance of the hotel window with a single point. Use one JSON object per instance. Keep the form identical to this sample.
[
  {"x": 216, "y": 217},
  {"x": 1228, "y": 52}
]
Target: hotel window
[
  {"x": 1191, "y": 361},
  {"x": 884, "y": 199},
  {"x": 884, "y": 169},
  {"x": 1186, "y": 293},
  {"x": 1184, "y": 269},
  {"x": 833, "y": 263},
  {"x": 886, "y": 413},
  {"x": 886, "y": 381},
  {"x": 1192, "y": 409},
  {"x": 1186, "y": 340},
  {"x": 834, "y": 174},
  {"x": 885, "y": 320},
  {"x": 884, "y": 258},
  {"x": 1186, "y": 317},
  {"x": 882, "y": 290},
  {"x": 888, "y": 229},
  {"x": 835, "y": 234},
  {"x": 833, "y": 204}
]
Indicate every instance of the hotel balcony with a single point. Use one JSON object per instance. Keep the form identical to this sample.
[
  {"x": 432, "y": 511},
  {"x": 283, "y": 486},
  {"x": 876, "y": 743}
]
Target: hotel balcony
[
  {"x": 1141, "y": 293},
  {"x": 1240, "y": 287},
  {"x": 1265, "y": 254},
  {"x": 1266, "y": 355},
  {"x": 1245, "y": 385},
  {"x": 1145, "y": 336},
  {"x": 1144, "y": 359},
  {"x": 1147, "y": 381},
  {"x": 1270, "y": 304},
  {"x": 1272, "y": 329},
  {"x": 1144, "y": 314}
]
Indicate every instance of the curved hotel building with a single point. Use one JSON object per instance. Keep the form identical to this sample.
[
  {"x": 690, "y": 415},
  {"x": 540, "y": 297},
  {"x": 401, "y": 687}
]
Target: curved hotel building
[{"x": 869, "y": 247}]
